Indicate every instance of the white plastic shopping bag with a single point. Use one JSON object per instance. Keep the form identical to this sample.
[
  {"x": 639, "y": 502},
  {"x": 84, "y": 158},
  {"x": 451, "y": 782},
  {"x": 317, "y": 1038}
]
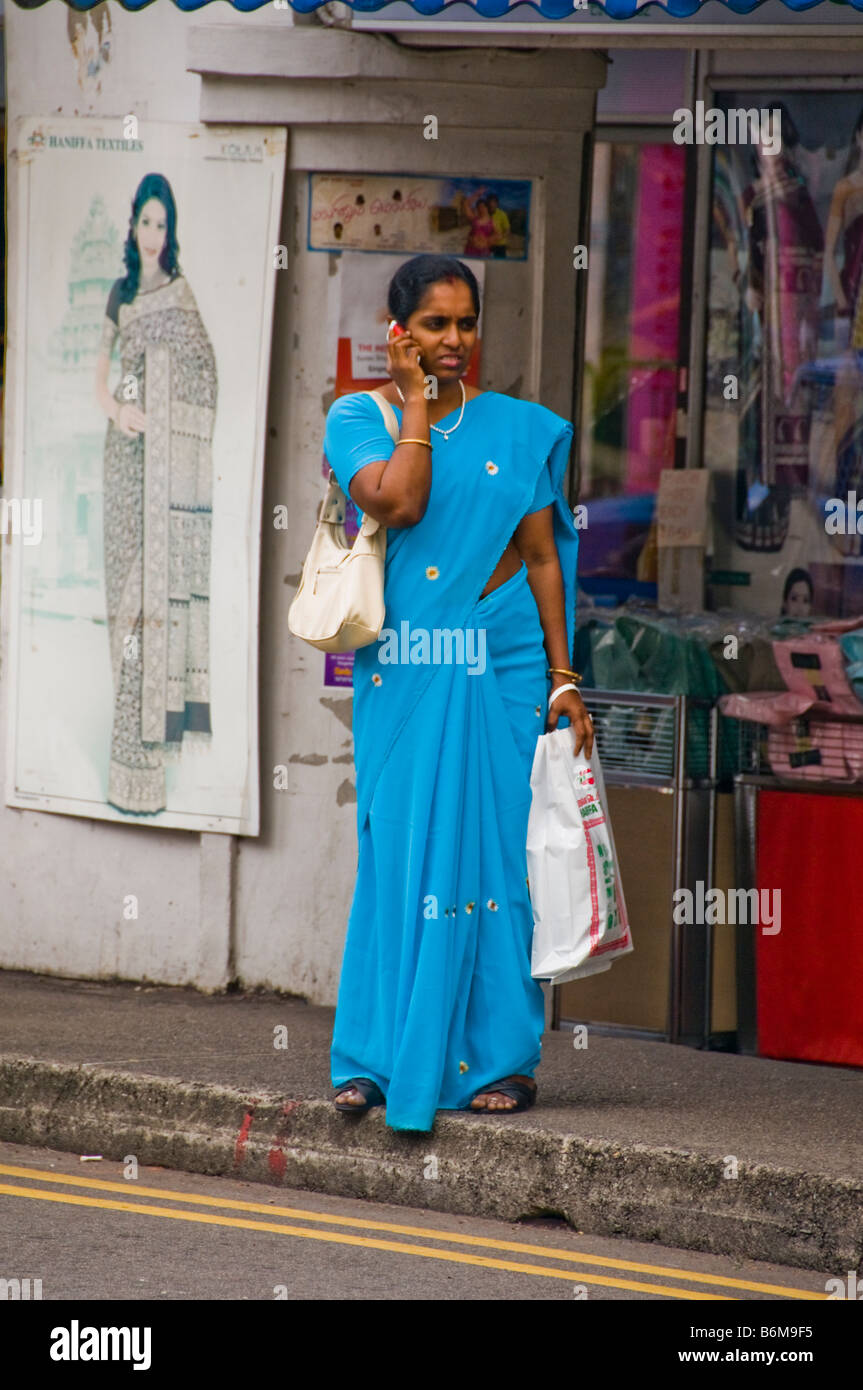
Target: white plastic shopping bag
[{"x": 580, "y": 919}]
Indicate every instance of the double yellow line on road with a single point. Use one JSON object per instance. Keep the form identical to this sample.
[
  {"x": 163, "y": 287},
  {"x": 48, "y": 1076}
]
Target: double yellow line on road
[{"x": 390, "y": 1246}]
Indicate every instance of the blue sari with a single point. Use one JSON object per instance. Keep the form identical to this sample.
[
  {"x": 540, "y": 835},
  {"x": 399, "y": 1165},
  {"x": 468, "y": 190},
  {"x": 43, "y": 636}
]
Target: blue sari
[{"x": 436, "y": 998}]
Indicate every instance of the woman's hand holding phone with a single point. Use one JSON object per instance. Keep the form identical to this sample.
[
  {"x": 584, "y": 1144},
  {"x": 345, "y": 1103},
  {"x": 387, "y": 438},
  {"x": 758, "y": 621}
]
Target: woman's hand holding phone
[{"x": 403, "y": 361}]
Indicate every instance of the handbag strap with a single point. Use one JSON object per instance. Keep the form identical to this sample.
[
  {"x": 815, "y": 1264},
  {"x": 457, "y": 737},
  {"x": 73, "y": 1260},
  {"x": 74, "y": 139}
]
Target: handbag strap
[
  {"x": 370, "y": 526},
  {"x": 335, "y": 502},
  {"x": 388, "y": 413}
]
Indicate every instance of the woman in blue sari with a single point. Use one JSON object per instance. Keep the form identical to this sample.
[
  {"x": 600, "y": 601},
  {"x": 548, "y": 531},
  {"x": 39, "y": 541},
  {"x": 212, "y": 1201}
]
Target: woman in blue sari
[{"x": 437, "y": 1009}]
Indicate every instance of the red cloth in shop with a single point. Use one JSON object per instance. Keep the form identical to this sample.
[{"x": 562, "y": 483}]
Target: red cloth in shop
[{"x": 809, "y": 977}]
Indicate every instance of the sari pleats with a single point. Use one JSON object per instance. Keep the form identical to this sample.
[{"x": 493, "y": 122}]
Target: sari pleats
[
  {"x": 157, "y": 526},
  {"x": 440, "y": 929}
]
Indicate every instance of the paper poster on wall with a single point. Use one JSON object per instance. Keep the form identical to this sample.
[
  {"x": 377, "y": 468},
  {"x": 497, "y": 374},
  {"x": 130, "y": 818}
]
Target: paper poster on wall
[
  {"x": 144, "y": 315},
  {"x": 485, "y": 219},
  {"x": 338, "y": 670}
]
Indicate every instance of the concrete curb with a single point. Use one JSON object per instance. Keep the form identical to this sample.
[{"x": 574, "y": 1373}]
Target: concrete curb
[{"x": 485, "y": 1166}]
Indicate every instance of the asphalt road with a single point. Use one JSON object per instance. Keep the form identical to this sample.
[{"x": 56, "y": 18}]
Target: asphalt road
[{"x": 90, "y": 1233}]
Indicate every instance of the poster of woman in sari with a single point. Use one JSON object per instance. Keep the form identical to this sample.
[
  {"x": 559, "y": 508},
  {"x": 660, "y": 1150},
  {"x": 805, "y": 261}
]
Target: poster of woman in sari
[
  {"x": 160, "y": 429},
  {"x": 144, "y": 314}
]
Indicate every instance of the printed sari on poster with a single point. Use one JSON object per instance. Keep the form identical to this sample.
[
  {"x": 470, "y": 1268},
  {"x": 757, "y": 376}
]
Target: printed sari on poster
[
  {"x": 158, "y": 513},
  {"x": 436, "y": 997}
]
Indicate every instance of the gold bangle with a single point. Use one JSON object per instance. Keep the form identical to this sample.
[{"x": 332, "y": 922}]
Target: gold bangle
[
  {"x": 426, "y": 442},
  {"x": 562, "y": 671}
]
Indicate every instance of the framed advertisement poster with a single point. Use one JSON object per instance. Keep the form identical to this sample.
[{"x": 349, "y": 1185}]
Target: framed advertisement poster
[
  {"x": 477, "y": 219},
  {"x": 136, "y": 404}
]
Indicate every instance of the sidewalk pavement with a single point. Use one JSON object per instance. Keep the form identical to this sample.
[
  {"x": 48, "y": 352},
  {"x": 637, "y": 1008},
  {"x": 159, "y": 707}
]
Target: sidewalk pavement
[{"x": 628, "y": 1138}]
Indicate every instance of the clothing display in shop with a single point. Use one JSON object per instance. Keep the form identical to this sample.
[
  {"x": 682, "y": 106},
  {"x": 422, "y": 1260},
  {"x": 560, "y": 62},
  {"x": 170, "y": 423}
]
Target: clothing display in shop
[
  {"x": 793, "y": 678},
  {"x": 637, "y": 649},
  {"x": 807, "y": 736},
  {"x": 852, "y": 649}
]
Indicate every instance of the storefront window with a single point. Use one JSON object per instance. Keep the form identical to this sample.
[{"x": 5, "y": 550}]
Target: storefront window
[
  {"x": 630, "y": 359},
  {"x": 784, "y": 385}
]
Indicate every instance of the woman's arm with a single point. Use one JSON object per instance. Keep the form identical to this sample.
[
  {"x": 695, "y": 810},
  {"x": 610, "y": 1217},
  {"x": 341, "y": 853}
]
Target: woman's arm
[
  {"x": 395, "y": 491},
  {"x": 470, "y": 202},
  {"x": 127, "y": 418},
  {"x": 534, "y": 540},
  {"x": 106, "y": 401}
]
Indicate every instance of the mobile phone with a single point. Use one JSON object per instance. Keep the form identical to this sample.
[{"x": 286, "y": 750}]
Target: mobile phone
[{"x": 394, "y": 329}]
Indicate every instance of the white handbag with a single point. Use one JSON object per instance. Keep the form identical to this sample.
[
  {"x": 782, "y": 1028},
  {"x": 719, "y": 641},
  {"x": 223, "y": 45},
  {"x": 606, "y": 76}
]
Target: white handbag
[{"x": 339, "y": 604}]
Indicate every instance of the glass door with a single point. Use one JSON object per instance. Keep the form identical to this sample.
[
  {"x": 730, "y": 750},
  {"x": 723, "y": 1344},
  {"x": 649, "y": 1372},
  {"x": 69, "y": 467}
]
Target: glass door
[{"x": 633, "y": 347}]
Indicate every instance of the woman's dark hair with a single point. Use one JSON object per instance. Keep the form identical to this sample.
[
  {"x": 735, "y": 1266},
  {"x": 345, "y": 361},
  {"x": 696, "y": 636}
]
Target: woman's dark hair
[
  {"x": 410, "y": 282},
  {"x": 151, "y": 186},
  {"x": 798, "y": 576},
  {"x": 790, "y": 137}
]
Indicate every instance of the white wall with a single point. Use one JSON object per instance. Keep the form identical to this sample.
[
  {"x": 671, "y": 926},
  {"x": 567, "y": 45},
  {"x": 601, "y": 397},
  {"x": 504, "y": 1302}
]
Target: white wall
[{"x": 64, "y": 878}]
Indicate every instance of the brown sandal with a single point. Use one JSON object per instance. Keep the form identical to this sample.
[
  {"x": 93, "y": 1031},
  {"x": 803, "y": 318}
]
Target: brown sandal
[{"x": 368, "y": 1089}]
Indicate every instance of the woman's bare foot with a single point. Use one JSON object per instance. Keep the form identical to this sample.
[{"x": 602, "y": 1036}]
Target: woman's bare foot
[
  {"x": 351, "y": 1096},
  {"x": 494, "y": 1100}
]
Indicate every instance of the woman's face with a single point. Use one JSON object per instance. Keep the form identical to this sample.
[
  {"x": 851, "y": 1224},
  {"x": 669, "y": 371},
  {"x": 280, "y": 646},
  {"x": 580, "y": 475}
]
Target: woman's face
[
  {"x": 445, "y": 327},
  {"x": 151, "y": 232},
  {"x": 482, "y": 209},
  {"x": 799, "y": 601}
]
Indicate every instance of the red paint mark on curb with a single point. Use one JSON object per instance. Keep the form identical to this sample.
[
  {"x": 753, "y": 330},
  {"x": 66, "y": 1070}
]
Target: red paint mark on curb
[
  {"x": 276, "y": 1157},
  {"x": 278, "y": 1162},
  {"x": 242, "y": 1137}
]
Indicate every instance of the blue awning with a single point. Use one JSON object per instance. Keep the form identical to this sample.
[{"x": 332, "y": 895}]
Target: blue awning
[
  {"x": 495, "y": 9},
  {"x": 565, "y": 9}
]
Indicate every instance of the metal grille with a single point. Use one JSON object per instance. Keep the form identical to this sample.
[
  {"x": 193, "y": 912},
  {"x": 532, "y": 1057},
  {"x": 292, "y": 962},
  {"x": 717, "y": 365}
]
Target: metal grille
[{"x": 639, "y": 737}]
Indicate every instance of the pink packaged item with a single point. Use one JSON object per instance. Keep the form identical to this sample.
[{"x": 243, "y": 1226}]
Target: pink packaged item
[
  {"x": 838, "y": 625},
  {"x": 852, "y": 744},
  {"x": 815, "y": 666},
  {"x": 774, "y": 707},
  {"x": 812, "y": 749}
]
